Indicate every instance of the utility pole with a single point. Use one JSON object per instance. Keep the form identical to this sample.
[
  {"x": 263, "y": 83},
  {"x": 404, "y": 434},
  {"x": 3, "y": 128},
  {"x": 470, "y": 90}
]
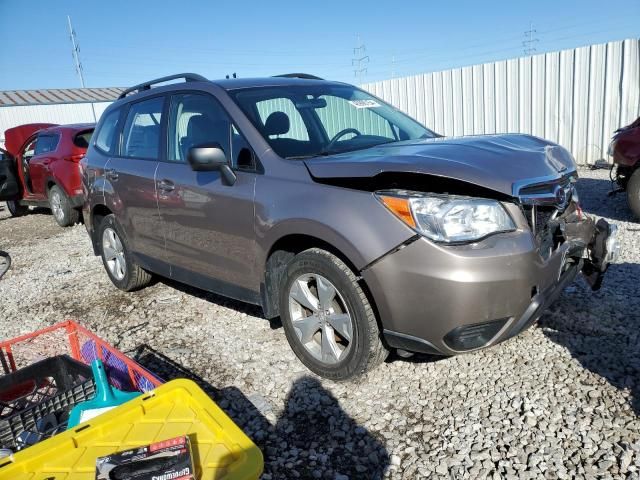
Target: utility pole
[
  {"x": 393, "y": 66},
  {"x": 529, "y": 40},
  {"x": 75, "y": 52},
  {"x": 360, "y": 60}
]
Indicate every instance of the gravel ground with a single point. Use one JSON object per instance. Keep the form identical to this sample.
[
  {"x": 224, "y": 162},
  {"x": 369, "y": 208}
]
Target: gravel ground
[{"x": 559, "y": 401}]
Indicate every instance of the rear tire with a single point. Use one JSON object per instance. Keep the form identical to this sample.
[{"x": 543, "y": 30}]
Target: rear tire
[
  {"x": 123, "y": 272},
  {"x": 64, "y": 214},
  {"x": 15, "y": 209},
  {"x": 333, "y": 309},
  {"x": 633, "y": 193}
]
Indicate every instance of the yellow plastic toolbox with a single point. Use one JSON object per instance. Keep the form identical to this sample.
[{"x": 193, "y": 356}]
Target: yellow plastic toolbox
[{"x": 220, "y": 449}]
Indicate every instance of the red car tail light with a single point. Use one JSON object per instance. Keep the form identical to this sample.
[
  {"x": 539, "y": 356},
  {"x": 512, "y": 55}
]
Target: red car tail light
[{"x": 75, "y": 158}]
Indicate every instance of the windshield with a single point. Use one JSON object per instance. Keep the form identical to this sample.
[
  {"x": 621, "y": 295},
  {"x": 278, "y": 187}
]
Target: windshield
[{"x": 307, "y": 121}]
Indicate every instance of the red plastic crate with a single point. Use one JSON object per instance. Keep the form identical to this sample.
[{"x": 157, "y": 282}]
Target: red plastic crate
[{"x": 76, "y": 341}]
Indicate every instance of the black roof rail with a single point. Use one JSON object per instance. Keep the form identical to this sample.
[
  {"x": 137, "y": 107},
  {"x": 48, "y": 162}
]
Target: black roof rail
[
  {"x": 188, "y": 77},
  {"x": 306, "y": 76}
]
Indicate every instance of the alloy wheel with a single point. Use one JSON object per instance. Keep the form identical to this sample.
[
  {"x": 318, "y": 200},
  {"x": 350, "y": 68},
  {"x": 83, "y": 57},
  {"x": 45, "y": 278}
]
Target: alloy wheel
[
  {"x": 56, "y": 206},
  {"x": 320, "y": 318},
  {"x": 113, "y": 251}
]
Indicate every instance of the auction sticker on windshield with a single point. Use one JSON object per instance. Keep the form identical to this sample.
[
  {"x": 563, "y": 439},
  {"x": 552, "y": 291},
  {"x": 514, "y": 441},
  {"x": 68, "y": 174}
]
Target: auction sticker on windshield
[{"x": 364, "y": 103}]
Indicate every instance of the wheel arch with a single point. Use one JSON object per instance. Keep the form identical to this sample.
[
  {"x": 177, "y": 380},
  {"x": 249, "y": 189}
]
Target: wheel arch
[
  {"x": 49, "y": 184},
  {"x": 98, "y": 212},
  {"x": 279, "y": 256}
]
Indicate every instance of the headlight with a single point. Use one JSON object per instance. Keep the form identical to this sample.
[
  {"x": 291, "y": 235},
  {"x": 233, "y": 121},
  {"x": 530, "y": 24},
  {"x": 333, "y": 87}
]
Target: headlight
[
  {"x": 612, "y": 147},
  {"x": 448, "y": 218}
]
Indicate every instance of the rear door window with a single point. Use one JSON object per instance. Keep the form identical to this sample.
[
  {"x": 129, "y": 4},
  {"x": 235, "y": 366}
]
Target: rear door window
[
  {"x": 46, "y": 144},
  {"x": 107, "y": 132},
  {"x": 141, "y": 132}
]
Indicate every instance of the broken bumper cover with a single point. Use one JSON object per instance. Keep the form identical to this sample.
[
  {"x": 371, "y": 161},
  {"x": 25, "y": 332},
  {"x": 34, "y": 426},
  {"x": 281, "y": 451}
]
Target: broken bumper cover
[
  {"x": 603, "y": 249},
  {"x": 448, "y": 300}
]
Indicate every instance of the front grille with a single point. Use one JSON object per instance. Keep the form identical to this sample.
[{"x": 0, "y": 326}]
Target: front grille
[
  {"x": 538, "y": 217},
  {"x": 545, "y": 230},
  {"x": 545, "y": 191},
  {"x": 542, "y": 200}
]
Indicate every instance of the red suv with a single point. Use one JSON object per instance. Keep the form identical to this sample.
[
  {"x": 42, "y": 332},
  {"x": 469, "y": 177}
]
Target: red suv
[{"x": 40, "y": 167}]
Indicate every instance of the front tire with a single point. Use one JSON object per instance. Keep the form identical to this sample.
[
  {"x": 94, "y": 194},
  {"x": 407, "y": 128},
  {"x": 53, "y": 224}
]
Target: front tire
[
  {"x": 15, "y": 209},
  {"x": 64, "y": 214},
  {"x": 327, "y": 317},
  {"x": 633, "y": 193},
  {"x": 123, "y": 272}
]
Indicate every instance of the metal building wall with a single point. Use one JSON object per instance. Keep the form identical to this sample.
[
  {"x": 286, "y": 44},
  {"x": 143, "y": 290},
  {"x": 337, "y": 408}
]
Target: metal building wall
[
  {"x": 576, "y": 98},
  {"x": 59, "y": 113}
]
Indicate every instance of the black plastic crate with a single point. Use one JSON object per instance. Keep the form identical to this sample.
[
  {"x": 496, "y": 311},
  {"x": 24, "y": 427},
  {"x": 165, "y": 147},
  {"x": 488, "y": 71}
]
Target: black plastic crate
[{"x": 35, "y": 401}]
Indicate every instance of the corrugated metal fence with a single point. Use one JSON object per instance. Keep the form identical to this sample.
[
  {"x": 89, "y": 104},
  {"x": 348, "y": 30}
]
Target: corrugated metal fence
[
  {"x": 60, "y": 114},
  {"x": 576, "y": 98}
]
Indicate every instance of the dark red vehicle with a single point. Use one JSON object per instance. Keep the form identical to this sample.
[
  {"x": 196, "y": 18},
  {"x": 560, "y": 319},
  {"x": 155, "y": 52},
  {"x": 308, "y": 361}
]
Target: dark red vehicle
[
  {"x": 40, "y": 167},
  {"x": 625, "y": 149}
]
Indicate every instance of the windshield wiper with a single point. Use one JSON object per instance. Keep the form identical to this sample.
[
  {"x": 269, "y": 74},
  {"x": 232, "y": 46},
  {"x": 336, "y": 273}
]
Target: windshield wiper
[
  {"x": 322, "y": 153},
  {"x": 300, "y": 157}
]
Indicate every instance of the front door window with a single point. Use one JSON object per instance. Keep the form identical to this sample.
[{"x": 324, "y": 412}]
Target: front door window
[{"x": 196, "y": 119}]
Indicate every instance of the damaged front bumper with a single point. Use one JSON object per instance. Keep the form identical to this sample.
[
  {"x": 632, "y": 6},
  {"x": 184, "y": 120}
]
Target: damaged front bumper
[
  {"x": 451, "y": 299},
  {"x": 597, "y": 240}
]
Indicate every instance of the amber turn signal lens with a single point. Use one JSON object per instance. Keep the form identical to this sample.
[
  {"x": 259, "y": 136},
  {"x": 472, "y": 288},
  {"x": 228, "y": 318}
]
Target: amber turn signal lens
[{"x": 400, "y": 207}]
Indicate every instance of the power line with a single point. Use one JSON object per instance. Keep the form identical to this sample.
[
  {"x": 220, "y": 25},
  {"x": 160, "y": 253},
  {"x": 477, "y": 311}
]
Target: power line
[
  {"x": 399, "y": 58},
  {"x": 75, "y": 52},
  {"x": 360, "y": 61},
  {"x": 529, "y": 40}
]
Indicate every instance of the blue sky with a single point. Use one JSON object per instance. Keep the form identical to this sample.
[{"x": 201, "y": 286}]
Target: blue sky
[{"x": 126, "y": 42}]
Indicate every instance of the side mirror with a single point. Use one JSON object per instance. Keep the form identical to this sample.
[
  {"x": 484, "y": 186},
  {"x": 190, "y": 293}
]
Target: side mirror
[{"x": 208, "y": 157}]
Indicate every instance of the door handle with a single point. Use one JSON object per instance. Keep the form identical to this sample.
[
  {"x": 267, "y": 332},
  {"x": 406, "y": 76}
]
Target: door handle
[
  {"x": 111, "y": 174},
  {"x": 166, "y": 186}
]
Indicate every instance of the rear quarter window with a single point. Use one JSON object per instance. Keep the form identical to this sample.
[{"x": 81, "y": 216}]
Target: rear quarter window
[{"x": 82, "y": 139}]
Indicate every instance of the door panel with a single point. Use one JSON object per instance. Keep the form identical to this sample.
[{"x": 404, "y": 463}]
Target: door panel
[
  {"x": 39, "y": 171},
  {"x": 208, "y": 226},
  {"x": 9, "y": 181},
  {"x": 132, "y": 195},
  {"x": 39, "y": 165},
  {"x": 131, "y": 182}
]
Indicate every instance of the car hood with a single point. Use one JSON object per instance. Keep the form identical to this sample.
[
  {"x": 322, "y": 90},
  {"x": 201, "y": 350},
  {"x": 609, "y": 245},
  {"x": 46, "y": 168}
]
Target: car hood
[
  {"x": 496, "y": 162},
  {"x": 15, "y": 137}
]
